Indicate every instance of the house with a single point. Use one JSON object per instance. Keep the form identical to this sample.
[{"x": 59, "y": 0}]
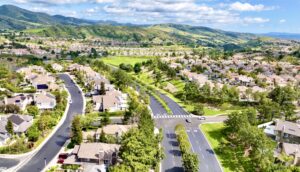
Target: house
[
  {"x": 3, "y": 139},
  {"x": 287, "y": 132},
  {"x": 21, "y": 123},
  {"x": 42, "y": 82},
  {"x": 57, "y": 67},
  {"x": 112, "y": 101},
  {"x": 292, "y": 150},
  {"x": 20, "y": 100},
  {"x": 94, "y": 153},
  {"x": 114, "y": 130},
  {"x": 45, "y": 100},
  {"x": 32, "y": 69}
]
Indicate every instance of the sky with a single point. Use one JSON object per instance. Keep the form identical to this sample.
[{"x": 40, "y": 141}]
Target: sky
[{"x": 254, "y": 16}]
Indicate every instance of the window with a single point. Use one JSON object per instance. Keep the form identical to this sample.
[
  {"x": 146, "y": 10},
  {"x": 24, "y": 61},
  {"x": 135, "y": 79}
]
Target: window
[{"x": 106, "y": 161}]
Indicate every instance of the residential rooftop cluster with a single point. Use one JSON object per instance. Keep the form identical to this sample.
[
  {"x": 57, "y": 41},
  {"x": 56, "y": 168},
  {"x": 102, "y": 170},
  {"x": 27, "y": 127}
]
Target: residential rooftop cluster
[
  {"x": 245, "y": 72},
  {"x": 43, "y": 83}
]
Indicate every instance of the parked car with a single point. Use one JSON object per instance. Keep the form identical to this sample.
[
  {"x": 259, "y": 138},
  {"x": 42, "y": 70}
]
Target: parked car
[
  {"x": 60, "y": 161},
  {"x": 202, "y": 118},
  {"x": 63, "y": 156},
  {"x": 188, "y": 120}
]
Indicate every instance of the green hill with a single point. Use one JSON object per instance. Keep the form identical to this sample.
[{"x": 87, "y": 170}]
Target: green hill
[
  {"x": 156, "y": 34},
  {"x": 15, "y": 18},
  {"x": 42, "y": 24}
]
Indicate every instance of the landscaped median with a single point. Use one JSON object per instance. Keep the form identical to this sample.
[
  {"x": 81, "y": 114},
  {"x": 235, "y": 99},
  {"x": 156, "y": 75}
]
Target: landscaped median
[
  {"x": 151, "y": 90},
  {"x": 190, "y": 160}
]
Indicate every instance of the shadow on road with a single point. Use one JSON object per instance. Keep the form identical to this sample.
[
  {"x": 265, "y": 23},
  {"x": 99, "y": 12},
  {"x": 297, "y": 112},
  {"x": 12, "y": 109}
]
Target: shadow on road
[
  {"x": 174, "y": 143},
  {"x": 175, "y": 169},
  {"x": 171, "y": 136},
  {"x": 175, "y": 152},
  {"x": 210, "y": 151}
]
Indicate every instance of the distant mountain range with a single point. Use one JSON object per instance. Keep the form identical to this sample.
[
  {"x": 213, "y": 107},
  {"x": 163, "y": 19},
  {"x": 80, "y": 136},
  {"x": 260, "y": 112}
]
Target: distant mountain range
[
  {"x": 42, "y": 24},
  {"x": 289, "y": 36},
  {"x": 13, "y": 17}
]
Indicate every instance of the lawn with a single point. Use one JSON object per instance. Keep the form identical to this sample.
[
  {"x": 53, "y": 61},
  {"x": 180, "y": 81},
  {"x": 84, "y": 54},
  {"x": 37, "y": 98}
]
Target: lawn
[
  {"x": 146, "y": 78},
  {"x": 117, "y": 60},
  {"x": 229, "y": 158}
]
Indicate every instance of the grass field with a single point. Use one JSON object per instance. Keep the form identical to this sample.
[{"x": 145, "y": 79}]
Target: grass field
[
  {"x": 179, "y": 84},
  {"x": 116, "y": 61},
  {"x": 229, "y": 158}
]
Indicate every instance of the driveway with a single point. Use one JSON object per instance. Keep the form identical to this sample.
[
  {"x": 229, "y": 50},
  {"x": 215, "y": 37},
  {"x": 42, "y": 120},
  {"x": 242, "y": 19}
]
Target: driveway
[{"x": 56, "y": 142}]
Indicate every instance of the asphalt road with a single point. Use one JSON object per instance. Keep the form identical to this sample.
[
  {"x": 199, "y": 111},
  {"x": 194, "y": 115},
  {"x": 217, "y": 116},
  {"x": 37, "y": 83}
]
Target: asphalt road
[
  {"x": 55, "y": 143},
  {"x": 7, "y": 163},
  {"x": 156, "y": 107},
  {"x": 200, "y": 146},
  {"x": 207, "y": 157},
  {"x": 175, "y": 108}
]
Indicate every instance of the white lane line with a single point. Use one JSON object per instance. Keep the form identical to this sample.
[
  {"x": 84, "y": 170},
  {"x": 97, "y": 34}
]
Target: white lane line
[{"x": 193, "y": 150}]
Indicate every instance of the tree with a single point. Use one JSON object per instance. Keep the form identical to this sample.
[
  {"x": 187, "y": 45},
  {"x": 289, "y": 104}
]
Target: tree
[
  {"x": 191, "y": 90},
  {"x": 102, "y": 136},
  {"x": 102, "y": 89},
  {"x": 45, "y": 122},
  {"x": 158, "y": 76},
  {"x": 252, "y": 115},
  {"x": 121, "y": 79},
  {"x": 199, "y": 109},
  {"x": 105, "y": 119},
  {"x": 33, "y": 133},
  {"x": 33, "y": 110},
  {"x": 9, "y": 127},
  {"x": 120, "y": 168},
  {"x": 236, "y": 121},
  {"x": 268, "y": 110},
  {"x": 11, "y": 108},
  {"x": 190, "y": 162},
  {"x": 137, "y": 68},
  {"x": 76, "y": 131},
  {"x": 284, "y": 96}
]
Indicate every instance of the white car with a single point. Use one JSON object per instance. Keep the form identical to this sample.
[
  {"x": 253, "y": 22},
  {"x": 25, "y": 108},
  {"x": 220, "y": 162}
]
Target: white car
[
  {"x": 201, "y": 117},
  {"x": 70, "y": 101}
]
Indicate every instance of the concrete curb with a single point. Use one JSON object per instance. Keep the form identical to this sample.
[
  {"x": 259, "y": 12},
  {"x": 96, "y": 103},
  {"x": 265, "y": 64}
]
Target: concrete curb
[
  {"x": 33, "y": 152},
  {"x": 211, "y": 146}
]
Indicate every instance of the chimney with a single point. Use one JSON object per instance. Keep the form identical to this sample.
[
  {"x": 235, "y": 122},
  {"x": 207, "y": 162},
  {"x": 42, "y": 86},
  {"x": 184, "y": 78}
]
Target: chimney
[
  {"x": 5, "y": 100},
  {"x": 101, "y": 156}
]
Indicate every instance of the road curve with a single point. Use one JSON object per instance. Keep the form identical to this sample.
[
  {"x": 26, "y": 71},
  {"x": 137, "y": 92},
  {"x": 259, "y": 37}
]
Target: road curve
[{"x": 56, "y": 142}]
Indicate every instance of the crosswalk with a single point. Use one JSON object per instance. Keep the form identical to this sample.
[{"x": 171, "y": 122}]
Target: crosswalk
[{"x": 171, "y": 116}]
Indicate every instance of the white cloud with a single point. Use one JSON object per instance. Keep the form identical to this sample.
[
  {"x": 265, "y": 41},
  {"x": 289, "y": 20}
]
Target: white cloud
[
  {"x": 181, "y": 11},
  {"x": 253, "y": 20},
  {"x": 238, "y": 6},
  {"x": 106, "y": 1},
  {"x": 282, "y": 21}
]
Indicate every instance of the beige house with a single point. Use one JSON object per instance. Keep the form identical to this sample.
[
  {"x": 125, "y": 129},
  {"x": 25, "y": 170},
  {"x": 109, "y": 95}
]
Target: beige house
[
  {"x": 96, "y": 153},
  {"x": 20, "y": 100},
  {"x": 112, "y": 101},
  {"x": 45, "y": 100},
  {"x": 42, "y": 82},
  {"x": 292, "y": 150},
  {"x": 287, "y": 132},
  {"x": 113, "y": 130}
]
